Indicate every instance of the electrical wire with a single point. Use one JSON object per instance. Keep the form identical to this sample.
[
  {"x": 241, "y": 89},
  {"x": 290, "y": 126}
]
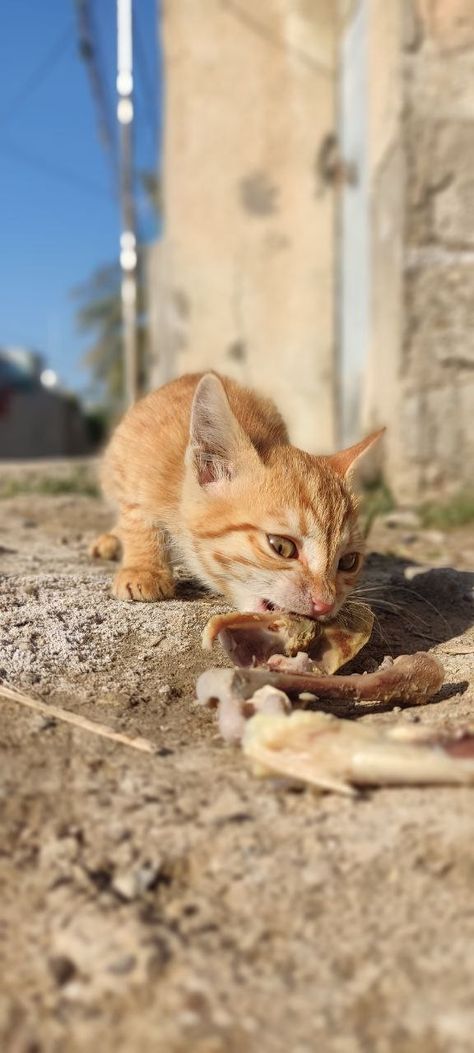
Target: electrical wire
[
  {"x": 12, "y": 149},
  {"x": 89, "y": 53},
  {"x": 148, "y": 93},
  {"x": 38, "y": 75}
]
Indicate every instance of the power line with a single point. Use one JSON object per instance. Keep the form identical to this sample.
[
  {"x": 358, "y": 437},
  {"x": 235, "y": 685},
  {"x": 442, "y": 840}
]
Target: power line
[
  {"x": 8, "y": 147},
  {"x": 38, "y": 75},
  {"x": 148, "y": 94},
  {"x": 89, "y": 55}
]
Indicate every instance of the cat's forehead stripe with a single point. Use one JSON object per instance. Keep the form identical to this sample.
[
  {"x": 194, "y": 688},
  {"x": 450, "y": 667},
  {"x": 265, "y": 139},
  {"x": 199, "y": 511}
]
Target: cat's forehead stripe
[
  {"x": 325, "y": 515},
  {"x": 229, "y": 529}
]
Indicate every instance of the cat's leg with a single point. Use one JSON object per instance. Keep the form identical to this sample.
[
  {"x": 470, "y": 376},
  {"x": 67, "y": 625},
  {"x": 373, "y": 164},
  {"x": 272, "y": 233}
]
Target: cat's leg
[
  {"x": 106, "y": 546},
  {"x": 145, "y": 574}
]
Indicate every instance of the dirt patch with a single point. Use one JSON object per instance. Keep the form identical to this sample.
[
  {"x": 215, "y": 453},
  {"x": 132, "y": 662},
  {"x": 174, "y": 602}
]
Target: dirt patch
[{"x": 175, "y": 903}]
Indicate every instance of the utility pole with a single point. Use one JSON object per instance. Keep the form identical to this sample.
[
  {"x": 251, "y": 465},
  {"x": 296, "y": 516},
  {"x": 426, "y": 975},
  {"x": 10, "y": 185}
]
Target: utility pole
[{"x": 128, "y": 240}]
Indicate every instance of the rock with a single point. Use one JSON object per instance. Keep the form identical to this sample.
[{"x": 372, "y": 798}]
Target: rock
[
  {"x": 123, "y": 965},
  {"x": 401, "y": 517},
  {"x": 62, "y": 969},
  {"x": 410, "y": 573},
  {"x": 433, "y": 537},
  {"x": 131, "y": 884}
]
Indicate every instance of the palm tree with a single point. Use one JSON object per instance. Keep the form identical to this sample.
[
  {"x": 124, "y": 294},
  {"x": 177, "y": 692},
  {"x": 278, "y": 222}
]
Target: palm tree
[{"x": 99, "y": 313}]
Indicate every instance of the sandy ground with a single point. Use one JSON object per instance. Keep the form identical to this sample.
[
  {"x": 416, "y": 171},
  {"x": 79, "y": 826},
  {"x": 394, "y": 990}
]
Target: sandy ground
[{"x": 173, "y": 902}]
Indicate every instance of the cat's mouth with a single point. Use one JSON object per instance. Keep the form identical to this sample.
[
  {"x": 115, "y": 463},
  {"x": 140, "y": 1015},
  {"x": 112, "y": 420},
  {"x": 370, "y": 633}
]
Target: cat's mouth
[{"x": 267, "y": 605}]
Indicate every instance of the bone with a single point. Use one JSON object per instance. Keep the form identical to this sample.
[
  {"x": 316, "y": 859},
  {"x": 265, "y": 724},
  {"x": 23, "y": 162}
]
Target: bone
[
  {"x": 251, "y": 639},
  {"x": 232, "y": 715},
  {"x": 410, "y": 679},
  {"x": 333, "y": 754},
  {"x": 298, "y": 663}
]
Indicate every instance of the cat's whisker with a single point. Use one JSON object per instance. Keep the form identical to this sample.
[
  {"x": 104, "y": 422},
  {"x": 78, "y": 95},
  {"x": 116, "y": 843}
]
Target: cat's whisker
[
  {"x": 380, "y": 631},
  {"x": 399, "y": 608},
  {"x": 390, "y": 605},
  {"x": 419, "y": 596},
  {"x": 355, "y": 605},
  {"x": 411, "y": 592},
  {"x": 360, "y": 589}
]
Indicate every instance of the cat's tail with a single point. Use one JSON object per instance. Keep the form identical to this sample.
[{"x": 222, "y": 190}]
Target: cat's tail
[{"x": 106, "y": 546}]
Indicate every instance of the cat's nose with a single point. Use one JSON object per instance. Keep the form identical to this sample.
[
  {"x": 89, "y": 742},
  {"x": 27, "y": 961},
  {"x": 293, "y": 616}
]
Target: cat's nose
[{"x": 319, "y": 607}]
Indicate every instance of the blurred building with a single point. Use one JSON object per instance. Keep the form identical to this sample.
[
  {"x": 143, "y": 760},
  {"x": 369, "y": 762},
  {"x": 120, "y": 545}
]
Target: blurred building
[
  {"x": 319, "y": 219},
  {"x": 36, "y": 418}
]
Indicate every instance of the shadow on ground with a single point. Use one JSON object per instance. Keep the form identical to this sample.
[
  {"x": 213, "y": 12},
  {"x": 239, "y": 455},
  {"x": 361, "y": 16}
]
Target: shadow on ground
[{"x": 415, "y": 609}]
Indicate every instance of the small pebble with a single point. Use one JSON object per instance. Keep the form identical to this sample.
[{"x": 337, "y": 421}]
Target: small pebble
[
  {"x": 133, "y": 883},
  {"x": 123, "y": 965},
  {"x": 402, "y": 517},
  {"x": 62, "y": 969},
  {"x": 433, "y": 537},
  {"x": 32, "y": 590}
]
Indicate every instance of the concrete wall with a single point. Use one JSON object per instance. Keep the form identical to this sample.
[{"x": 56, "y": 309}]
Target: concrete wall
[
  {"x": 380, "y": 392},
  {"x": 248, "y": 276},
  {"x": 420, "y": 378},
  {"x": 438, "y": 349},
  {"x": 247, "y": 260}
]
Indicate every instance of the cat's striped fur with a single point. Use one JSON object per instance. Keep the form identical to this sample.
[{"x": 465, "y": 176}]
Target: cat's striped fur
[{"x": 205, "y": 467}]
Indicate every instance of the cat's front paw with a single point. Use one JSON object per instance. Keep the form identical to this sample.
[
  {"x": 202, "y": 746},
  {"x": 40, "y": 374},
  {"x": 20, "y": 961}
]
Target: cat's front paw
[
  {"x": 144, "y": 586},
  {"x": 107, "y": 546}
]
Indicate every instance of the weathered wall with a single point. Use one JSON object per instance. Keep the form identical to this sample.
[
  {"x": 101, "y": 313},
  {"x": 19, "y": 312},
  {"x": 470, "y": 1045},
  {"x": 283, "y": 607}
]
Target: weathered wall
[
  {"x": 380, "y": 392},
  {"x": 246, "y": 270},
  {"x": 248, "y": 253},
  {"x": 438, "y": 349},
  {"x": 420, "y": 377}
]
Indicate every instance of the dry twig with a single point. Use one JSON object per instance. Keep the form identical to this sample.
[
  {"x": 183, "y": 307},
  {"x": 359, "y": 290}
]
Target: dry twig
[{"x": 56, "y": 713}]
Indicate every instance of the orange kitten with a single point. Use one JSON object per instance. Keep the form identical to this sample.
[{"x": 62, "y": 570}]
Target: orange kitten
[{"x": 204, "y": 467}]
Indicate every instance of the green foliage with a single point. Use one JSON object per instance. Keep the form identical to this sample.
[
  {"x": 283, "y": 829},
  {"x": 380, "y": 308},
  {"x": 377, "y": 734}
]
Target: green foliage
[
  {"x": 80, "y": 480},
  {"x": 454, "y": 513},
  {"x": 99, "y": 314},
  {"x": 376, "y": 500},
  {"x": 99, "y": 422}
]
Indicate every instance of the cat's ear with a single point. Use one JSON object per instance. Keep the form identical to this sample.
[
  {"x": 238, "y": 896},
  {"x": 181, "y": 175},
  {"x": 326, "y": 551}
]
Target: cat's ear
[
  {"x": 345, "y": 461},
  {"x": 217, "y": 443}
]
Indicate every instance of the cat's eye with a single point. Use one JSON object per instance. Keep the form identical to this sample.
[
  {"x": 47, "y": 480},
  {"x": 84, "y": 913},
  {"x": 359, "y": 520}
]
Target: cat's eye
[
  {"x": 283, "y": 546},
  {"x": 349, "y": 562}
]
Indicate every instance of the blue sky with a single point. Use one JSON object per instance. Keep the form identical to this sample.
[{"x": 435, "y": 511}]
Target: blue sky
[{"x": 59, "y": 212}]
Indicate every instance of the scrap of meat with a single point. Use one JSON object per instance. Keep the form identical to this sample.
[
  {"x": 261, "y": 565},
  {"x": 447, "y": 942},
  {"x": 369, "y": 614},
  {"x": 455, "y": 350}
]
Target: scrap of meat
[
  {"x": 232, "y": 717},
  {"x": 251, "y": 639},
  {"x": 410, "y": 678},
  {"x": 240, "y": 693},
  {"x": 334, "y": 754}
]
